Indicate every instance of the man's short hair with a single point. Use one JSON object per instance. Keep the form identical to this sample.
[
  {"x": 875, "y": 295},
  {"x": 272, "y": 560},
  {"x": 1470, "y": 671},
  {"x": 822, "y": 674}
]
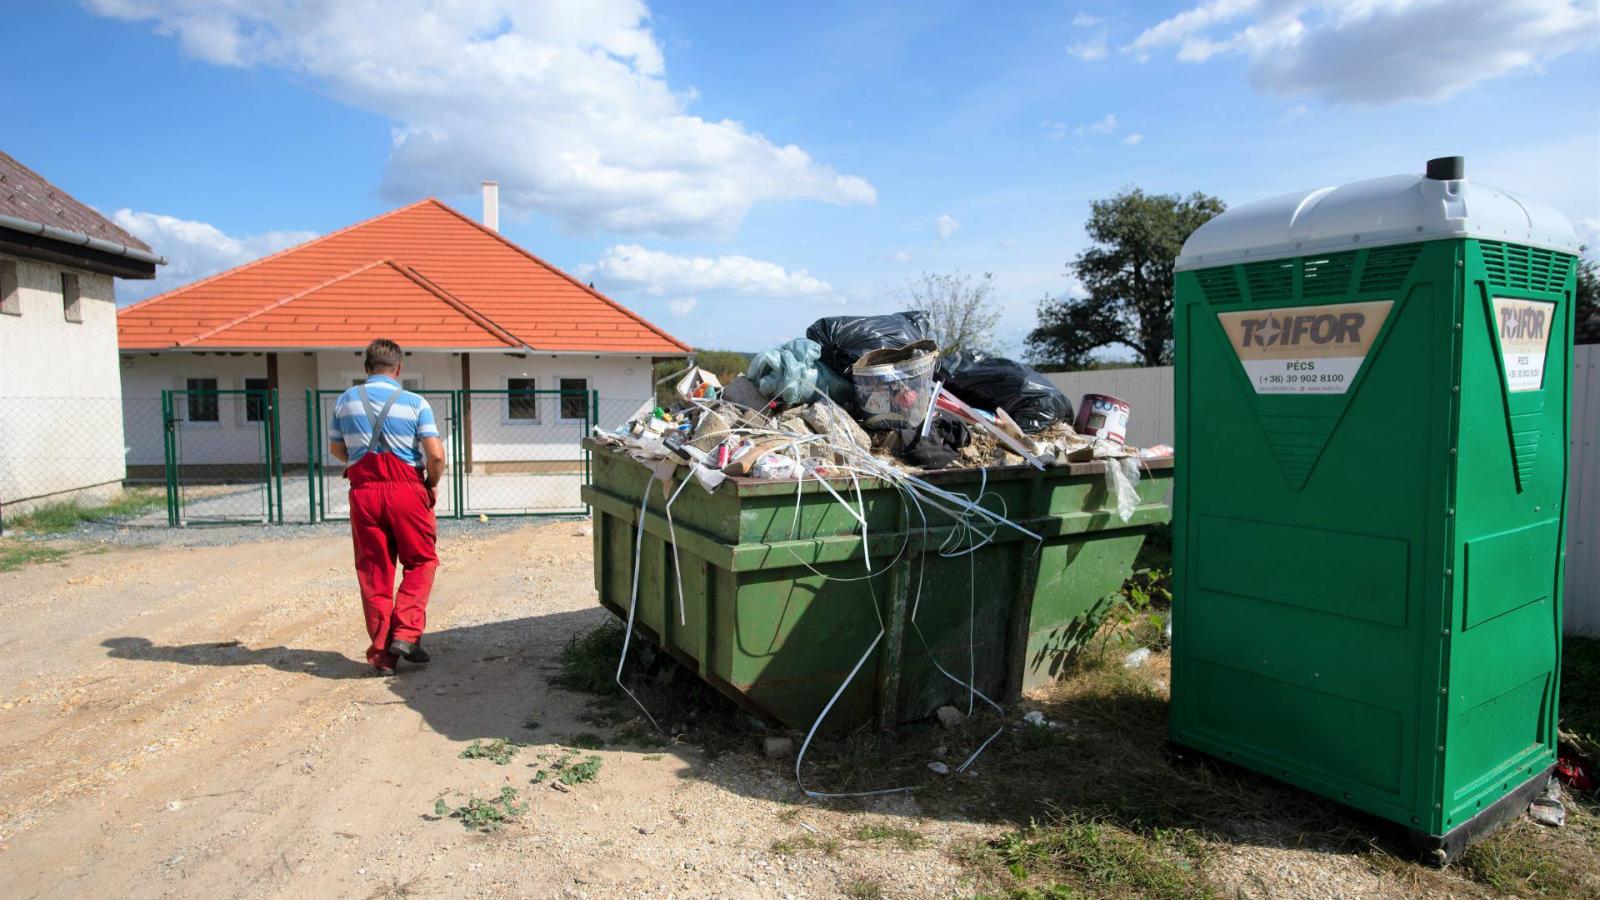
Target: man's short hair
[{"x": 383, "y": 355}]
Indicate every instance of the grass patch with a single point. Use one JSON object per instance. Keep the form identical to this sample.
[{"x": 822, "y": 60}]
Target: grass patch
[
  {"x": 864, "y": 889},
  {"x": 1580, "y": 694},
  {"x": 904, "y": 838},
  {"x": 653, "y": 757},
  {"x": 498, "y": 751},
  {"x": 827, "y": 846},
  {"x": 588, "y": 661},
  {"x": 532, "y": 724},
  {"x": 1072, "y": 857},
  {"x": 587, "y": 741},
  {"x": 59, "y": 518},
  {"x": 15, "y": 556},
  {"x": 484, "y": 815}
]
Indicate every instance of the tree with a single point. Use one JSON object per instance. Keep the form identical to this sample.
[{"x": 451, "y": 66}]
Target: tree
[
  {"x": 960, "y": 308},
  {"x": 1587, "y": 313},
  {"x": 1128, "y": 276}
]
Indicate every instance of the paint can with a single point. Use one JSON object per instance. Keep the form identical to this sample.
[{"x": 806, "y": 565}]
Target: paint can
[{"x": 1103, "y": 416}]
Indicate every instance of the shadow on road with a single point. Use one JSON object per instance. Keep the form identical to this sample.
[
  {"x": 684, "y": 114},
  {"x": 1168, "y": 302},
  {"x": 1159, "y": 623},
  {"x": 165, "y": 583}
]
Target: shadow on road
[{"x": 486, "y": 680}]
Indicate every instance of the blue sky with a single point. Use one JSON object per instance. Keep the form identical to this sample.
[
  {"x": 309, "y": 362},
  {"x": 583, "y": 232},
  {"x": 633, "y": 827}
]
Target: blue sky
[{"x": 733, "y": 171}]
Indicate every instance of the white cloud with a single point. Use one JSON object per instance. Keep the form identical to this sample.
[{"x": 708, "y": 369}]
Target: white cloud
[
  {"x": 1296, "y": 111},
  {"x": 656, "y": 272},
  {"x": 1053, "y": 130},
  {"x": 1090, "y": 50},
  {"x": 682, "y": 306},
  {"x": 194, "y": 249},
  {"x": 1086, "y": 20},
  {"x": 565, "y": 102},
  {"x": 946, "y": 225},
  {"x": 901, "y": 256},
  {"x": 1103, "y": 125},
  {"x": 1133, "y": 139},
  {"x": 1371, "y": 52}
]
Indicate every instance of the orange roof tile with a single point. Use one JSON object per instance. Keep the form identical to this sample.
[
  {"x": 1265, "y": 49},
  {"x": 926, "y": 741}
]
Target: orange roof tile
[{"x": 424, "y": 274}]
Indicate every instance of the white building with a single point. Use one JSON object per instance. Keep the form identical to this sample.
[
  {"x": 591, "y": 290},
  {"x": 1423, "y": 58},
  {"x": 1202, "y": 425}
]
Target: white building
[
  {"x": 60, "y": 394},
  {"x": 472, "y": 310}
]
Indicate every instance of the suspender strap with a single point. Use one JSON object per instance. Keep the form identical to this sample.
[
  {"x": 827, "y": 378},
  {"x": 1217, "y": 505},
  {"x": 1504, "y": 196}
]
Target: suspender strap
[{"x": 380, "y": 440}]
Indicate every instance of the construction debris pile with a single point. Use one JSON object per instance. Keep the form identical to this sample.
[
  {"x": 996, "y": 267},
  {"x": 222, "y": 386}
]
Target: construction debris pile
[{"x": 863, "y": 392}]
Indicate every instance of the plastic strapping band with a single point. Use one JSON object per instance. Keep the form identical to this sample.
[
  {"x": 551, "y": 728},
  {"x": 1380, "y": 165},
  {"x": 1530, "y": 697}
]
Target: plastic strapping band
[{"x": 633, "y": 600}]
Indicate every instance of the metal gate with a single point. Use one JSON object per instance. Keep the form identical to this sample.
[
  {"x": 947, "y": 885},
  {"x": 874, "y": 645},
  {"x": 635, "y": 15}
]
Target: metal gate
[
  {"x": 329, "y": 499},
  {"x": 522, "y": 451},
  {"x": 224, "y": 463}
]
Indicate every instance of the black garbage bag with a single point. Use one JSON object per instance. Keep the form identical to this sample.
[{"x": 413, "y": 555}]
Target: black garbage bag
[
  {"x": 939, "y": 449},
  {"x": 994, "y": 382},
  {"x": 845, "y": 339}
]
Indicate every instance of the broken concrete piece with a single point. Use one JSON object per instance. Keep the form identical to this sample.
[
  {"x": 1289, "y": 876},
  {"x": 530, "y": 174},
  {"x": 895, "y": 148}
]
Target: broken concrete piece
[
  {"x": 949, "y": 716},
  {"x": 744, "y": 392}
]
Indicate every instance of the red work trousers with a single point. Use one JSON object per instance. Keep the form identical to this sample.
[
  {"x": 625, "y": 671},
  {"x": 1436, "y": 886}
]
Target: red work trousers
[{"x": 391, "y": 518}]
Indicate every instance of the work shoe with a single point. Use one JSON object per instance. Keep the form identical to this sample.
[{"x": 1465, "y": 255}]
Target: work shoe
[
  {"x": 402, "y": 649},
  {"x": 418, "y": 655},
  {"x": 382, "y": 671}
]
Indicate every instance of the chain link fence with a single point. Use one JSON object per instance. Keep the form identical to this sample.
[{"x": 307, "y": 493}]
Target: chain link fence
[{"x": 261, "y": 456}]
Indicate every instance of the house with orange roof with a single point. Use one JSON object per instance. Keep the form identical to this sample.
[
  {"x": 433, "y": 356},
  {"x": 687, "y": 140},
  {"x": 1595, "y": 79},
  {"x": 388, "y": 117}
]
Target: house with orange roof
[
  {"x": 60, "y": 404},
  {"x": 512, "y": 352}
]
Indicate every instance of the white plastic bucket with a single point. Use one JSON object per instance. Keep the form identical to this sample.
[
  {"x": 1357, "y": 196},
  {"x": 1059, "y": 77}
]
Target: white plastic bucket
[
  {"x": 1103, "y": 416},
  {"x": 893, "y": 386}
]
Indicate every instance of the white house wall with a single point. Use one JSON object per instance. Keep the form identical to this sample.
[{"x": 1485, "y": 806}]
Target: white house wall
[
  {"x": 622, "y": 381},
  {"x": 60, "y": 398}
]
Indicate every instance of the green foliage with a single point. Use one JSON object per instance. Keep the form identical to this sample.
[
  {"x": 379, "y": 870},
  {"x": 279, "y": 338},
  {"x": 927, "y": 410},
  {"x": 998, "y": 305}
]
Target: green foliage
[
  {"x": 904, "y": 838},
  {"x": 588, "y": 661},
  {"x": 15, "y": 556},
  {"x": 961, "y": 308},
  {"x": 1101, "y": 860},
  {"x": 864, "y": 889},
  {"x": 828, "y": 846},
  {"x": 532, "y": 724},
  {"x": 58, "y": 518},
  {"x": 1580, "y": 693},
  {"x": 484, "y": 815},
  {"x": 1127, "y": 273},
  {"x": 1588, "y": 302},
  {"x": 498, "y": 751},
  {"x": 587, "y": 741},
  {"x": 573, "y": 773}
]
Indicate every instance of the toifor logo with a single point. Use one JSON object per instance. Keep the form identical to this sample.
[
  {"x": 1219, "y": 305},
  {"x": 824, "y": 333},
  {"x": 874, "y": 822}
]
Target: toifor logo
[
  {"x": 1522, "y": 322},
  {"x": 1324, "y": 328},
  {"x": 1305, "y": 349},
  {"x": 1524, "y": 327}
]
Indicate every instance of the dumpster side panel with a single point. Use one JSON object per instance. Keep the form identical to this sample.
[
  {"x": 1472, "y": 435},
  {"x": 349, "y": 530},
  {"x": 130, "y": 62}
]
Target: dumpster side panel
[
  {"x": 1504, "y": 637},
  {"x": 958, "y": 620}
]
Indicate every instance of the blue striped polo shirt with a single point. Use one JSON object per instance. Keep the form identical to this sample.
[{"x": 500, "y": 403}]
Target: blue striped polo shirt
[{"x": 410, "y": 420}]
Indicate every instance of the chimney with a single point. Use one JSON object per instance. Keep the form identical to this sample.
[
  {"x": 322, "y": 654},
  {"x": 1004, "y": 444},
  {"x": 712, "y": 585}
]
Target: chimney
[{"x": 491, "y": 205}]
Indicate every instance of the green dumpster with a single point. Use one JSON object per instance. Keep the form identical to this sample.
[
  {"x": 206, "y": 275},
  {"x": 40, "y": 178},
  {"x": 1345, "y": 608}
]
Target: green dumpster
[
  {"x": 775, "y": 612},
  {"x": 1372, "y": 411}
]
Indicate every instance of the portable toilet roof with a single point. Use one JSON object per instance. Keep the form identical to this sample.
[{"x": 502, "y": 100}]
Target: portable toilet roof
[{"x": 1397, "y": 209}]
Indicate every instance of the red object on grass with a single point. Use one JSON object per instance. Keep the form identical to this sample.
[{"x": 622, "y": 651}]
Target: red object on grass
[{"x": 1573, "y": 775}]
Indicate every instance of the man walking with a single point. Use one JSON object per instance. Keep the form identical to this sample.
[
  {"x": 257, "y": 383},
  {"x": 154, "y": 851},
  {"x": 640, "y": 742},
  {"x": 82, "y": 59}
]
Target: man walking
[{"x": 388, "y": 437}]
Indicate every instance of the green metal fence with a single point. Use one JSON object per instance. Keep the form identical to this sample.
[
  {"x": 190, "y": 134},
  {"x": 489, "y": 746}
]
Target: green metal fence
[{"x": 217, "y": 475}]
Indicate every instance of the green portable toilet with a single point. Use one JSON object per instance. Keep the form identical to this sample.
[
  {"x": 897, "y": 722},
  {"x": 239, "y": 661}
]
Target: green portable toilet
[{"x": 1372, "y": 417}]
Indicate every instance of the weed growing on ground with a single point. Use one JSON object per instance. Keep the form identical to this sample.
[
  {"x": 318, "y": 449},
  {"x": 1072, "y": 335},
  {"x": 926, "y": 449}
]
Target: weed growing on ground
[
  {"x": 15, "y": 556},
  {"x": 904, "y": 838},
  {"x": 587, "y": 741},
  {"x": 573, "y": 773},
  {"x": 1580, "y": 694},
  {"x": 588, "y": 661},
  {"x": 498, "y": 751},
  {"x": 827, "y": 846},
  {"x": 653, "y": 757},
  {"x": 58, "y": 518},
  {"x": 1096, "y": 858},
  {"x": 484, "y": 815},
  {"x": 532, "y": 724},
  {"x": 864, "y": 889},
  {"x": 603, "y": 714}
]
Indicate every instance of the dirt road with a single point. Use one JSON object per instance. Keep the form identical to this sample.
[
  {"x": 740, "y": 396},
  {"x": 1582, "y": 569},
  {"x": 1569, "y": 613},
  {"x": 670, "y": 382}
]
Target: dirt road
[{"x": 196, "y": 721}]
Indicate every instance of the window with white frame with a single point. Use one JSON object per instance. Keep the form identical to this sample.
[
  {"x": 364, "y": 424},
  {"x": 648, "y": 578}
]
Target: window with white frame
[
  {"x": 201, "y": 400},
  {"x": 71, "y": 300},
  {"x": 574, "y": 398},
  {"x": 10, "y": 289},
  {"x": 522, "y": 404}
]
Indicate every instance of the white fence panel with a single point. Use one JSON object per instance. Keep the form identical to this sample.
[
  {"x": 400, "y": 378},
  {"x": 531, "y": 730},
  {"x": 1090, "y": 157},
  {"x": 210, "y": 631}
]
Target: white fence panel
[
  {"x": 1583, "y": 496},
  {"x": 1148, "y": 392}
]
